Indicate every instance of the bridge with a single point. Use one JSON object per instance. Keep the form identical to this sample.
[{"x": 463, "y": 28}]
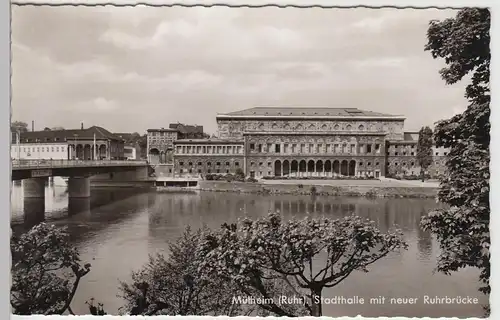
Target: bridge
[{"x": 35, "y": 173}]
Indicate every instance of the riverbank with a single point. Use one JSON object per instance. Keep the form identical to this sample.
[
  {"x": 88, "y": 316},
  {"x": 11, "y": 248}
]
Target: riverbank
[{"x": 349, "y": 188}]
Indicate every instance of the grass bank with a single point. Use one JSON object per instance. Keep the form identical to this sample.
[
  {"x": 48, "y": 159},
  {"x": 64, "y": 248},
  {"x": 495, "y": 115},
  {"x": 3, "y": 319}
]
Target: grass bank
[{"x": 351, "y": 190}]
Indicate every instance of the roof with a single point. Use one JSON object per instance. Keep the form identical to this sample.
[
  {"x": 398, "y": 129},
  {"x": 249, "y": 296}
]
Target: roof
[
  {"x": 183, "y": 128},
  {"x": 62, "y": 135},
  {"x": 306, "y": 111},
  {"x": 162, "y": 130},
  {"x": 410, "y": 136}
]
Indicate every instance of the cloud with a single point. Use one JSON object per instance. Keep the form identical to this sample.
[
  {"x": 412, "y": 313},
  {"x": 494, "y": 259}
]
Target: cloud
[{"x": 129, "y": 69}]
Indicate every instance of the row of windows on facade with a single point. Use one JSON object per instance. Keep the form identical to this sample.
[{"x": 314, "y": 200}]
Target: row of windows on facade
[
  {"x": 209, "y": 149},
  {"x": 163, "y": 134},
  {"x": 269, "y": 164},
  {"x": 311, "y": 127},
  {"x": 40, "y": 149},
  {"x": 199, "y": 171},
  {"x": 397, "y": 149},
  {"x": 404, "y": 153},
  {"x": 161, "y": 140},
  {"x": 236, "y": 164},
  {"x": 315, "y": 148}
]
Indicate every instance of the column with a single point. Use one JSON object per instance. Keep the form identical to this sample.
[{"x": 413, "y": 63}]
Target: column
[
  {"x": 34, "y": 188},
  {"x": 79, "y": 187}
]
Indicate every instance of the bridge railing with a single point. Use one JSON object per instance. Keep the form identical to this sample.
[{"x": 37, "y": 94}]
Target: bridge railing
[{"x": 40, "y": 163}]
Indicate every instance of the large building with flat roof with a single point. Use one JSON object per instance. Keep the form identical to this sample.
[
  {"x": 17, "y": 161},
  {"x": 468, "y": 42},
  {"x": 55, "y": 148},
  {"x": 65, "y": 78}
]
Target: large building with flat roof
[{"x": 300, "y": 142}]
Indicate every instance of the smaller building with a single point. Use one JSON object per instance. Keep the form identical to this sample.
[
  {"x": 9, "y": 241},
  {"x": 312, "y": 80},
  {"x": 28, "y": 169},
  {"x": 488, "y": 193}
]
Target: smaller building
[
  {"x": 195, "y": 157},
  {"x": 84, "y": 144},
  {"x": 160, "y": 145}
]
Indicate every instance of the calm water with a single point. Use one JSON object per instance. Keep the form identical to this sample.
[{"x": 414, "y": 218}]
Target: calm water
[{"x": 116, "y": 230}]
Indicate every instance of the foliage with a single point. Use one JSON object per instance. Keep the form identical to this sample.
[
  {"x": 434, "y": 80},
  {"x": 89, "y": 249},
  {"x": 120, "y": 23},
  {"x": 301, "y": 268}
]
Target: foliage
[
  {"x": 268, "y": 255},
  {"x": 239, "y": 175},
  {"x": 424, "y": 150},
  {"x": 20, "y": 126},
  {"x": 463, "y": 229},
  {"x": 177, "y": 285},
  {"x": 45, "y": 270}
]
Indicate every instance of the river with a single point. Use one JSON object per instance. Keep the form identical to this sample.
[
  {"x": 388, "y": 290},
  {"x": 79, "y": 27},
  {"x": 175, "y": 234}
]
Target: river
[{"x": 116, "y": 230}]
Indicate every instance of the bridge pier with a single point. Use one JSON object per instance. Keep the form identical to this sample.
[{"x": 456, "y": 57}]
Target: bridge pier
[
  {"x": 34, "y": 188},
  {"x": 79, "y": 187}
]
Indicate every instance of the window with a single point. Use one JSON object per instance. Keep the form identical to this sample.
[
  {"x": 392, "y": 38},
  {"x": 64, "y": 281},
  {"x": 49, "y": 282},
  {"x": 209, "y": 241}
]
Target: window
[
  {"x": 396, "y": 153},
  {"x": 277, "y": 148},
  {"x": 227, "y": 163},
  {"x": 199, "y": 163},
  {"x": 260, "y": 147},
  {"x": 190, "y": 170},
  {"x": 227, "y": 171},
  {"x": 57, "y": 149},
  {"x": 252, "y": 164},
  {"x": 413, "y": 153},
  {"x": 396, "y": 164},
  {"x": 190, "y": 163},
  {"x": 412, "y": 164},
  {"x": 236, "y": 163},
  {"x": 361, "y": 163},
  {"x": 437, "y": 153},
  {"x": 218, "y": 171},
  {"x": 404, "y": 153},
  {"x": 260, "y": 163},
  {"x": 311, "y": 146},
  {"x": 269, "y": 164},
  {"x": 209, "y": 164},
  {"x": 181, "y": 163},
  {"x": 169, "y": 170},
  {"x": 252, "y": 146},
  {"x": 388, "y": 153},
  {"x": 209, "y": 171},
  {"x": 377, "y": 147},
  {"x": 369, "y": 148},
  {"x": 218, "y": 163},
  {"x": 376, "y": 163},
  {"x": 369, "y": 163},
  {"x": 269, "y": 173},
  {"x": 445, "y": 153}
]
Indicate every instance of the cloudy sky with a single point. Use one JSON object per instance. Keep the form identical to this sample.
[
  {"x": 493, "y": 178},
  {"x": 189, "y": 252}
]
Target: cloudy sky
[{"x": 129, "y": 69}]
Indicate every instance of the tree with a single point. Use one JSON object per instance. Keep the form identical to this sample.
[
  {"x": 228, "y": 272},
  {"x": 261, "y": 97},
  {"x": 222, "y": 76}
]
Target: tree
[
  {"x": 424, "y": 150},
  {"x": 264, "y": 256},
  {"x": 40, "y": 259},
  {"x": 47, "y": 129},
  {"x": 177, "y": 285},
  {"x": 57, "y": 128},
  {"x": 18, "y": 126},
  {"x": 462, "y": 229},
  {"x": 239, "y": 175}
]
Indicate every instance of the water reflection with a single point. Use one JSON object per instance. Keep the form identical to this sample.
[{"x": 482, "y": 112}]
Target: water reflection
[
  {"x": 116, "y": 230},
  {"x": 34, "y": 212}
]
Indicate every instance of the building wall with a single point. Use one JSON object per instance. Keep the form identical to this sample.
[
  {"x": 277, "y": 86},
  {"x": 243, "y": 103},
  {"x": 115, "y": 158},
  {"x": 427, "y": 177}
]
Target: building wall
[
  {"x": 33, "y": 151},
  {"x": 402, "y": 160},
  {"x": 234, "y": 128},
  {"x": 194, "y": 165},
  {"x": 263, "y": 151}
]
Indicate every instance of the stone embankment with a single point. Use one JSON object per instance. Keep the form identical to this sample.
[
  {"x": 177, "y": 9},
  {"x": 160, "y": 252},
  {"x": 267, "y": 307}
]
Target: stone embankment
[{"x": 350, "y": 190}]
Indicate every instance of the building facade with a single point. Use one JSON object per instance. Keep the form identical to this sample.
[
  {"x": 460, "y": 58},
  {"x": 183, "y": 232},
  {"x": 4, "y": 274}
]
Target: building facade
[
  {"x": 160, "y": 145},
  {"x": 85, "y": 144},
  {"x": 299, "y": 142},
  {"x": 35, "y": 151}
]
